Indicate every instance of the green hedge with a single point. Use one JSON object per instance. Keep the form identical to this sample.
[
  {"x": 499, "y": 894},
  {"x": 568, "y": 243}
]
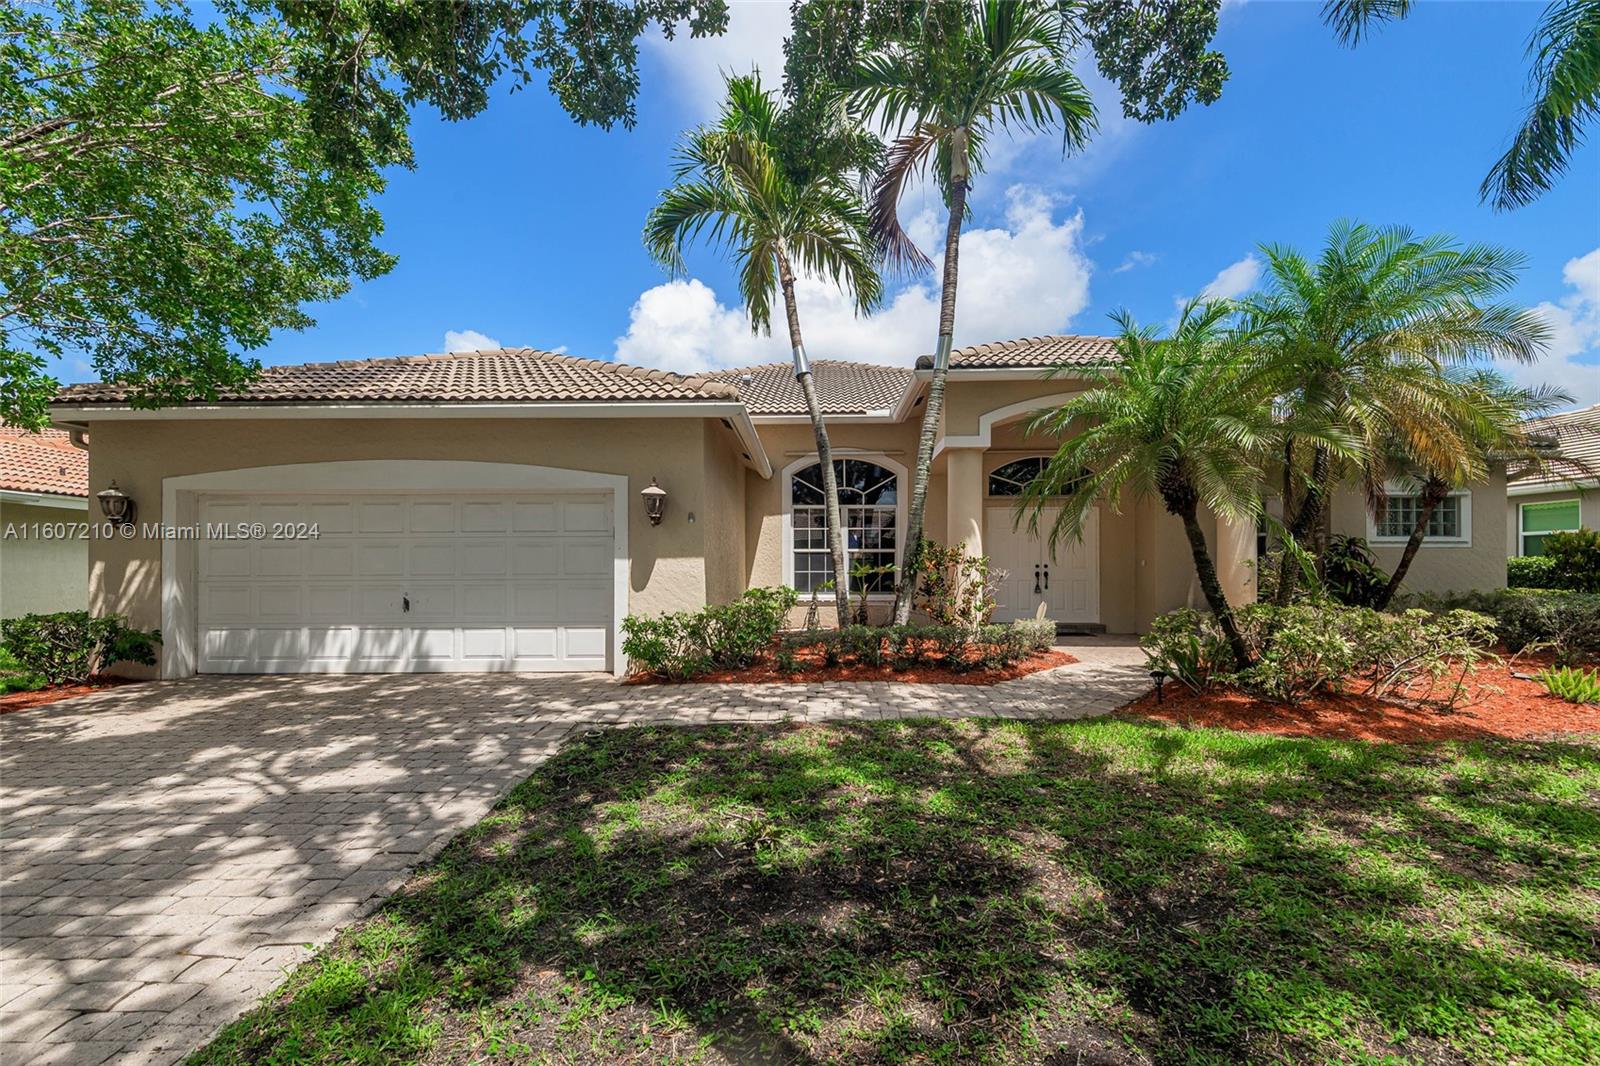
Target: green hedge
[
  {"x": 64, "y": 648},
  {"x": 1566, "y": 623},
  {"x": 1531, "y": 572}
]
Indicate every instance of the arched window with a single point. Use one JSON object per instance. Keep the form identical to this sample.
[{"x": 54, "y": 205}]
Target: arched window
[
  {"x": 1011, "y": 478},
  {"x": 869, "y": 497}
]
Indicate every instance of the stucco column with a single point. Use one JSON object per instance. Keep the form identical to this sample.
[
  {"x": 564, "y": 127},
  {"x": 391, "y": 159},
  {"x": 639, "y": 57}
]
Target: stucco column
[
  {"x": 1236, "y": 557},
  {"x": 964, "y": 499}
]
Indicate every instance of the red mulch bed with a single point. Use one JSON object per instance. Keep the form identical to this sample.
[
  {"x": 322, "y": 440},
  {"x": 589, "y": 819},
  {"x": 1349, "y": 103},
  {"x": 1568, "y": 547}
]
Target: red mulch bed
[
  {"x": 1496, "y": 704},
  {"x": 934, "y": 672},
  {"x": 21, "y": 701}
]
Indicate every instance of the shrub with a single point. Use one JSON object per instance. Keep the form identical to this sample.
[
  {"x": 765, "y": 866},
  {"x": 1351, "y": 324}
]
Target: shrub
[
  {"x": 1351, "y": 573},
  {"x": 64, "y": 648},
  {"x": 863, "y": 644},
  {"x": 1531, "y": 572},
  {"x": 14, "y": 677},
  {"x": 1188, "y": 646},
  {"x": 687, "y": 644},
  {"x": 1567, "y": 623},
  {"x": 1574, "y": 686},
  {"x": 1039, "y": 634},
  {"x": 1307, "y": 648},
  {"x": 954, "y": 588},
  {"x": 1575, "y": 560}
]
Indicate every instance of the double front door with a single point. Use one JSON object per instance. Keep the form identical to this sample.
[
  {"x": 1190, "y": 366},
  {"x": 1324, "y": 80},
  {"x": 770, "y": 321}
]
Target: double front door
[{"x": 1066, "y": 585}]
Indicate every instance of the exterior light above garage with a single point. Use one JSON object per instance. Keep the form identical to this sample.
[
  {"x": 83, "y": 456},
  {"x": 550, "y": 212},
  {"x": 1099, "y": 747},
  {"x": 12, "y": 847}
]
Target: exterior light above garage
[
  {"x": 116, "y": 505},
  {"x": 655, "y": 502}
]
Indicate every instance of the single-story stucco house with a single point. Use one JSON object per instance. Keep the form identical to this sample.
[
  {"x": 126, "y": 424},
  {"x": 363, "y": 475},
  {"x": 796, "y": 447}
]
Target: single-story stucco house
[
  {"x": 482, "y": 510},
  {"x": 1548, "y": 502},
  {"x": 44, "y": 499}
]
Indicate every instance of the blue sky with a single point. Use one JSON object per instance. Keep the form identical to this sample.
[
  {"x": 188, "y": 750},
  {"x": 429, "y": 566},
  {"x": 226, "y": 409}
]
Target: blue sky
[{"x": 522, "y": 227}]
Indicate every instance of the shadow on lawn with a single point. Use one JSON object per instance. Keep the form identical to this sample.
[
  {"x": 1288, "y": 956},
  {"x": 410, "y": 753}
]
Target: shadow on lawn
[{"x": 1107, "y": 892}]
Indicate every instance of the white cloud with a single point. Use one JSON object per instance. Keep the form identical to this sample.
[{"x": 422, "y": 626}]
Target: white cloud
[
  {"x": 1574, "y": 321},
  {"x": 1233, "y": 280},
  {"x": 1136, "y": 259},
  {"x": 468, "y": 340},
  {"x": 695, "y": 66},
  {"x": 1027, "y": 277}
]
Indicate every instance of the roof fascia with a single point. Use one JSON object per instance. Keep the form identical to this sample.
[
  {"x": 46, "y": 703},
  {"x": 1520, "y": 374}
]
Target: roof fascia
[{"x": 45, "y": 499}]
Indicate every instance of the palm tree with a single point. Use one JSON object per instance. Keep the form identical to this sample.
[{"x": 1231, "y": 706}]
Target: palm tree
[
  {"x": 1188, "y": 420},
  {"x": 976, "y": 69},
  {"x": 737, "y": 186},
  {"x": 1361, "y": 339},
  {"x": 1565, "y": 79},
  {"x": 1483, "y": 421}
]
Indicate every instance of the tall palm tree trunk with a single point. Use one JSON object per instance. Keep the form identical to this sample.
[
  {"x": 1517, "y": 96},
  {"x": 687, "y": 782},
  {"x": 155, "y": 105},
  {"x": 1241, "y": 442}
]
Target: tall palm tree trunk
[
  {"x": 830, "y": 481},
  {"x": 1434, "y": 491},
  {"x": 906, "y": 588},
  {"x": 1184, "y": 505},
  {"x": 1306, "y": 519}
]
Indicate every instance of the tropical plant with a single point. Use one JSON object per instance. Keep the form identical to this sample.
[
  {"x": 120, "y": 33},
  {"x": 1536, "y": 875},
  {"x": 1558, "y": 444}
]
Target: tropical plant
[
  {"x": 955, "y": 588},
  {"x": 1187, "y": 420},
  {"x": 1565, "y": 83},
  {"x": 977, "y": 70},
  {"x": 66, "y": 647},
  {"x": 1351, "y": 572},
  {"x": 1571, "y": 684},
  {"x": 1478, "y": 419},
  {"x": 1360, "y": 340},
  {"x": 775, "y": 212}
]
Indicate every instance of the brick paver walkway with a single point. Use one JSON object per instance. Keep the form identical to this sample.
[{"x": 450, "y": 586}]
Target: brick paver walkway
[{"x": 168, "y": 849}]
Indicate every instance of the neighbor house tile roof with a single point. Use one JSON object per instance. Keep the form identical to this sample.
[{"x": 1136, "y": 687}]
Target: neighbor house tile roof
[
  {"x": 1577, "y": 434},
  {"x": 843, "y": 387},
  {"x": 45, "y": 462},
  {"x": 1031, "y": 352},
  {"x": 501, "y": 375}
]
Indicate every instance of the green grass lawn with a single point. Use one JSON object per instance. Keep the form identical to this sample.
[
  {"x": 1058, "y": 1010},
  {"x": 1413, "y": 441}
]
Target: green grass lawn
[{"x": 1095, "y": 892}]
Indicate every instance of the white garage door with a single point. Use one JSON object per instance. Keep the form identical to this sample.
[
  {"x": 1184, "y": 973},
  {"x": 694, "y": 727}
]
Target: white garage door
[{"x": 397, "y": 584}]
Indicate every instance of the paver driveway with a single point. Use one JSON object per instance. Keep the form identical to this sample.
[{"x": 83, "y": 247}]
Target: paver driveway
[{"x": 169, "y": 848}]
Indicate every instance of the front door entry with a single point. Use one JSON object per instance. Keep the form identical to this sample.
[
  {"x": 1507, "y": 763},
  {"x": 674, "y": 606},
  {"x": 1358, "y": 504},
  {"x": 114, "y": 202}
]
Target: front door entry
[{"x": 1067, "y": 586}]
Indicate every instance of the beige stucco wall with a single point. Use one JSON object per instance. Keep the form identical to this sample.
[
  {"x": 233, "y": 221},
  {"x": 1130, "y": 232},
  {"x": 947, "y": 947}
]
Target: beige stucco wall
[
  {"x": 1440, "y": 567},
  {"x": 41, "y": 575},
  {"x": 1588, "y": 511},
  {"x": 967, "y": 400},
  {"x": 668, "y": 565},
  {"x": 722, "y": 524}
]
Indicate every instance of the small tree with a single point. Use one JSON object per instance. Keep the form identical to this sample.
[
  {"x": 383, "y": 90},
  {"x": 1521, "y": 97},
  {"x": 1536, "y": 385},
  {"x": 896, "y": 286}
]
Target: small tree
[{"x": 1186, "y": 419}]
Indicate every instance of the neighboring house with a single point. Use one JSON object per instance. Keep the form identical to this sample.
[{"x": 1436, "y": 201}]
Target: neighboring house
[
  {"x": 1566, "y": 500},
  {"x": 44, "y": 494},
  {"x": 482, "y": 510}
]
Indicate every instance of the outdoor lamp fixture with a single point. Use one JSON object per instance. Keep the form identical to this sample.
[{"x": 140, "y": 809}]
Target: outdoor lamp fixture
[
  {"x": 655, "y": 502},
  {"x": 1160, "y": 678},
  {"x": 116, "y": 505}
]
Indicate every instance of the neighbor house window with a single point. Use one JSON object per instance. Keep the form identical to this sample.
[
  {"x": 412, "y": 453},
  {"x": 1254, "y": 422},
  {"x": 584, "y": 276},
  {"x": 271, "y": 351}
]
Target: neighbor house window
[
  {"x": 869, "y": 498},
  {"x": 1539, "y": 520},
  {"x": 1449, "y": 521}
]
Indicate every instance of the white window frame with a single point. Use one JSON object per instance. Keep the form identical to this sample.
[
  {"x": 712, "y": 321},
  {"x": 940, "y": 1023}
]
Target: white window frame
[
  {"x": 1522, "y": 533},
  {"x": 786, "y": 492},
  {"x": 1402, "y": 489}
]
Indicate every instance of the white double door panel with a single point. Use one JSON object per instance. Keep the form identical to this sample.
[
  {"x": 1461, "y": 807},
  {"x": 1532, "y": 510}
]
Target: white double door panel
[
  {"x": 1066, "y": 586},
  {"x": 400, "y": 584}
]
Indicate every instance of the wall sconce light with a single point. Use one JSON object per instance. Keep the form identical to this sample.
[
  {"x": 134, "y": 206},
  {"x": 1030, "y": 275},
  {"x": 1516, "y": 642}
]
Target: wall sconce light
[
  {"x": 655, "y": 502},
  {"x": 116, "y": 505}
]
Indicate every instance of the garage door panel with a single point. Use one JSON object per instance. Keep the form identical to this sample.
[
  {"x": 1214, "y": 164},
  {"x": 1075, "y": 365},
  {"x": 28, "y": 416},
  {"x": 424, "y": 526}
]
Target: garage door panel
[
  {"x": 586, "y": 517},
  {"x": 536, "y": 517},
  {"x": 582, "y": 643},
  {"x": 482, "y": 560},
  {"x": 433, "y": 516},
  {"x": 331, "y": 518},
  {"x": 380, "y": 559},
  {"x": 280, "y": 603},
  {"x": 279, "y": 559},
  {"x": 483, "y": 601},
  {"x": 432, "y": 559},
  {"x": 584, "y": 603},
  {"x": 586, "y": 558},
  {"x": 380, "y": 516},
  {"x": 491, "y": 583},
  {"x": 227, "y": 560}
]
